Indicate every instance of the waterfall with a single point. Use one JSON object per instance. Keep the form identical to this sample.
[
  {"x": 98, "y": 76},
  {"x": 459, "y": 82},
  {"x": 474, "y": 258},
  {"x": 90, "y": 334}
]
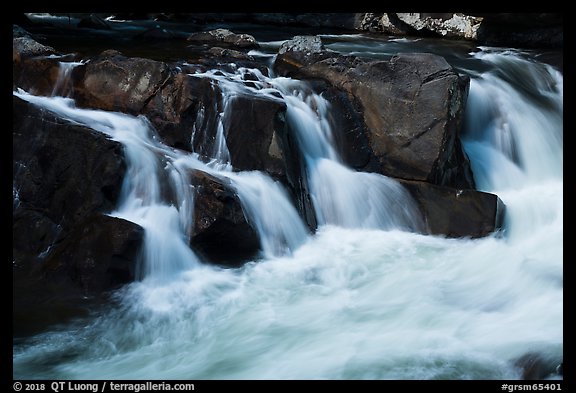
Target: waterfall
[
  {"x": 340, "y": 196},
  {"x": 63, "y": 84},
  {"x": 513, "y": 134},
  {"x": 521, "y": 127},
  {"x": 277, "y": 222},
  {"x": 367, "y": 296},
  {"x": 166, "y": 251}
]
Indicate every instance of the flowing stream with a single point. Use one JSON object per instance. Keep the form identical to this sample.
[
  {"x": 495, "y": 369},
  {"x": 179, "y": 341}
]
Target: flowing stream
[{"x": 365, "y": 297}]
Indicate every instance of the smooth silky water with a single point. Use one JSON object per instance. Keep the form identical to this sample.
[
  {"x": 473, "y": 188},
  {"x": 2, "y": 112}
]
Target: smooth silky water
[{"x": 367, "y": 296}]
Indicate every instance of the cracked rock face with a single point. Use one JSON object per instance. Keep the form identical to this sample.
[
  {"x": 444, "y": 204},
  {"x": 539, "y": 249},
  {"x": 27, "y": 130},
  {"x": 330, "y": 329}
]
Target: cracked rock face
[
  {"x": 401, "y": 118},
  {"x": 411, "y": 107},
  {"x": 119, "y": 83}
]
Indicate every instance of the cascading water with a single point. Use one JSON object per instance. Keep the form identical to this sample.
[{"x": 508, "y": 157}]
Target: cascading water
[
  {"x": 166, "y": 250},
  {"x": 63, "y": 85},
  {"x": 516, "y": 111},
  {"x": 341, "y": 196},
  {"x": 514, "y": 137},
  {"x": 366, "y": 297}
]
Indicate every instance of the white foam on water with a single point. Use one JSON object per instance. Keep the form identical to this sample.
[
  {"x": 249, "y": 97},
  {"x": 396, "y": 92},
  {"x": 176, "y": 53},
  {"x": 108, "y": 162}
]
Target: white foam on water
[{"x": 362, "y": 298}]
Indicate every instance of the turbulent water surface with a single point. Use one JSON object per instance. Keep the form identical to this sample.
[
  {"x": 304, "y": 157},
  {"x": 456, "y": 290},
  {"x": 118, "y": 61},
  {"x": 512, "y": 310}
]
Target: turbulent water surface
[{"x": 367, "y": 296}]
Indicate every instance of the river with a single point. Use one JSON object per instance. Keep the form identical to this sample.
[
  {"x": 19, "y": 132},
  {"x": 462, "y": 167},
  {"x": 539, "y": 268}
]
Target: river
[{"x": 367, "y": 296}]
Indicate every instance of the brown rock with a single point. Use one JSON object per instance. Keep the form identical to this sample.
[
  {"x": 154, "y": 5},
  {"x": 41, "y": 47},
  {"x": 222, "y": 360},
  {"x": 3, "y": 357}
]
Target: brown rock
[
  {"x": 457, "y": 212},
  {"x": 412, "y": 108},
  {"x": 118, "y": 83},
  {"x": 221, "y": 232}
]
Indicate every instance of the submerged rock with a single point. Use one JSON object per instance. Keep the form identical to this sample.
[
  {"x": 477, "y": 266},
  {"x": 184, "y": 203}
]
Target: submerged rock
[{"x": 537, "y": 366}]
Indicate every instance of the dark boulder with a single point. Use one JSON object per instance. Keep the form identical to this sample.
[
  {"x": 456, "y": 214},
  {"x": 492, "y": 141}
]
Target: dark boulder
[
  {"x": 535, "y": 366},
  {"x": 24, "y": 46},
  {"x": 44, "y": 76},
  {"x": 175, "y": 102},
  {"x": 298, "y": 52},
  {"x": 66, "y": 253},
  {"x": 253, "y": 127},
  {"x": 457, "y": 212},
  {"x": 117, "y": 83},
  {"x": 62, "y": 173},
  {"x": 99, "y": 255},
  {"x": 36, "y": 76},
  {"x": 64, "y": 170},
  {"x": 187, "y": 109},
  {"x": 33, "y": 236},
  {"x": 223, "y": 38},
  {"x": 221, "y": 233},
  {"x": 412, "y": 106},
  {"x": 33, "y": 70},
  {"x": 259, "y": 138},
  {"x": 181, "y": 106},
  {"x": 351, "y": 136}
]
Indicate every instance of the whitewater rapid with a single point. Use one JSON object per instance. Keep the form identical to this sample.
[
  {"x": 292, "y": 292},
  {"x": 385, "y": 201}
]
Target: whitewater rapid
[{"x": 367, "y": 296}]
